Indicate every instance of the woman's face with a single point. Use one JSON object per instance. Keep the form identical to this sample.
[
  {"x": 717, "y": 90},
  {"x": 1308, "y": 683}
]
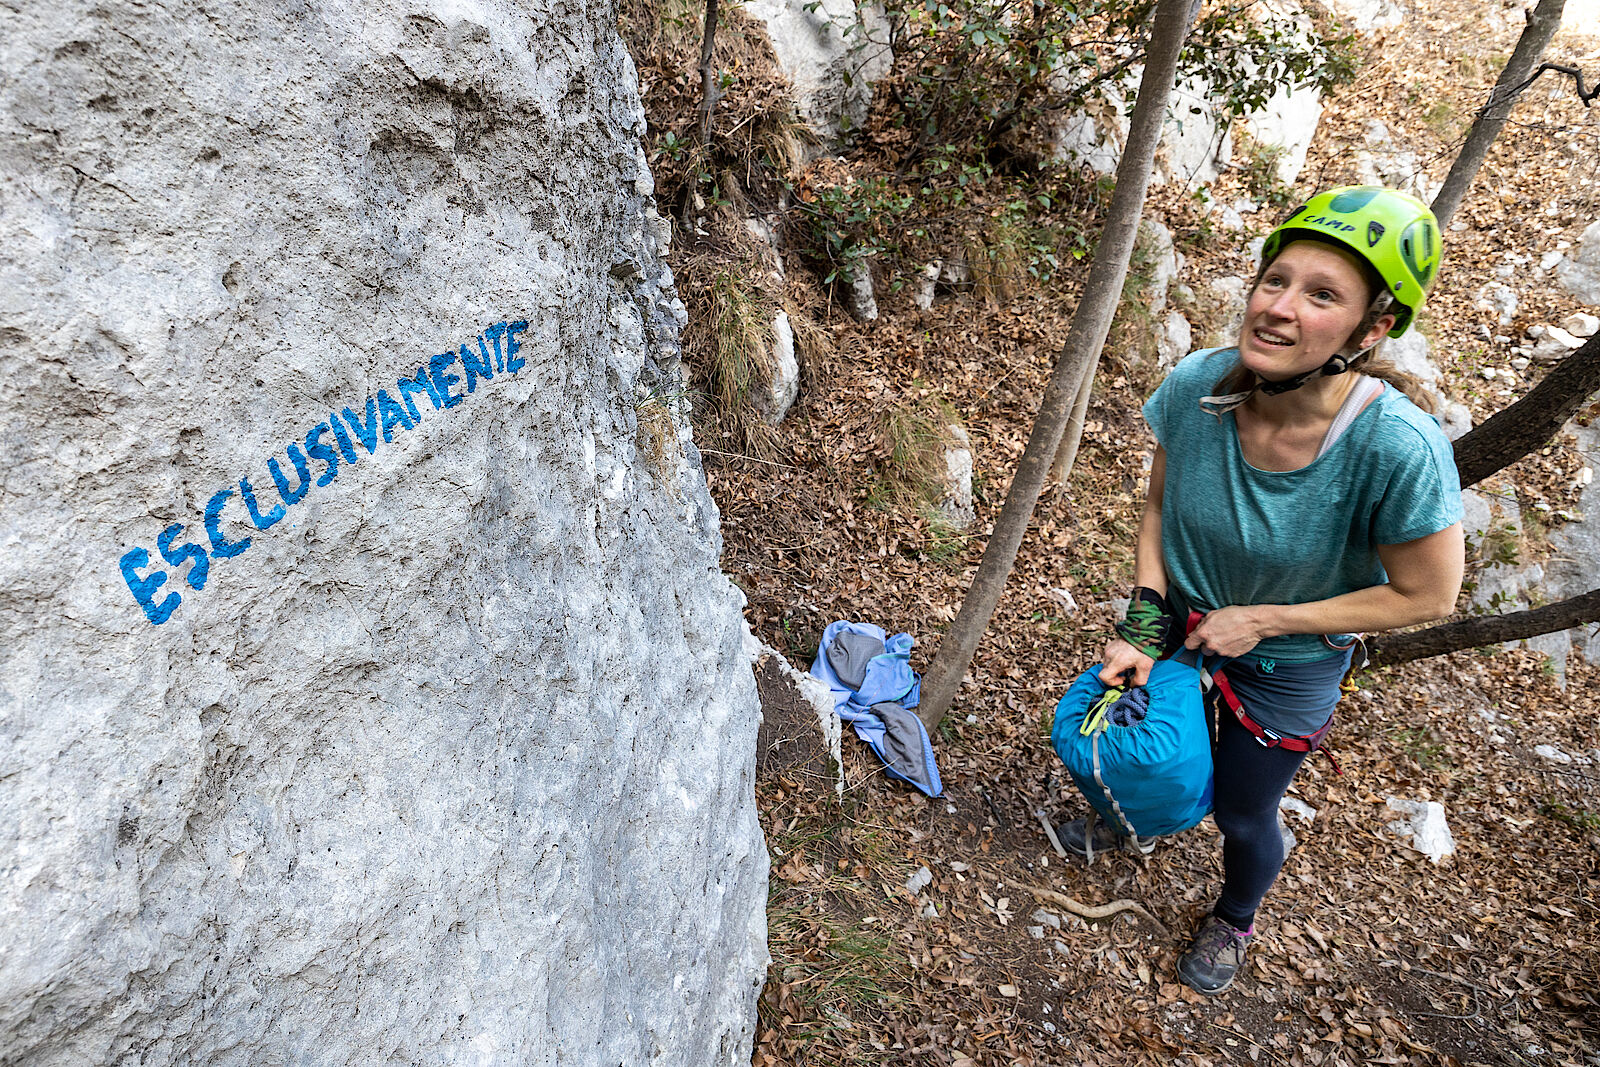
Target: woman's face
[{"x": 1310, "y": 299}]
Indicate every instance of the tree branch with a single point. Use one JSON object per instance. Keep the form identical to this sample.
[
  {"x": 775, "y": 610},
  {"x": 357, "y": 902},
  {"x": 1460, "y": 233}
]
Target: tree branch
[
  {"x": 1514, "y": 78},
  {"x": 1388, "y": 650},
  {"x": 1085, "y": 337},
  {"x": 1515, "y": 431}
]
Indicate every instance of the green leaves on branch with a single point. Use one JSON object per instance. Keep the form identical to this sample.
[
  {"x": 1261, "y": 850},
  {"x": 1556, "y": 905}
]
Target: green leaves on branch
[
  {"x": 964, "y": 123},
  {"x": 1249, "y": 59},
  {"x": 978, "y": 72}
]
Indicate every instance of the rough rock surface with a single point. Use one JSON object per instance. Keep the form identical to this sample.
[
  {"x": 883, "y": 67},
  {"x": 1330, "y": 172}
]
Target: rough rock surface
[
  {"x": 1580, "y": 273},
  {"x": 1174, "y": 340},
  {"x": 1193, "y": 139},
  {"x": 778, "y": 392},
  {"x": 955, "y": 506},
  {"x": 832, "y": 51},
  {"x": 1575, "y": 546},
  {"x": 1368, "y": 15},
  {"x": 437, "y": 746},
  {"x": 1288, "y": 123}
]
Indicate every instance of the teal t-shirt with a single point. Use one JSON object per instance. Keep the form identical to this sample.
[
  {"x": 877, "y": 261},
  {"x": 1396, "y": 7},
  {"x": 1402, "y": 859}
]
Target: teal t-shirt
[{"x": 1234, "y": 535}]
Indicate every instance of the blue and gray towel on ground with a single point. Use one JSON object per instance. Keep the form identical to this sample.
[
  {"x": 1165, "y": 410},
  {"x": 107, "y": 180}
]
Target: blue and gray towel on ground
[{"x": 873, "y": 689}]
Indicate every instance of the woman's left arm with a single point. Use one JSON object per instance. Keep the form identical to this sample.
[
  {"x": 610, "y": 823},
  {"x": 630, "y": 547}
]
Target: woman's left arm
[{"x": 1424, "y": 580}]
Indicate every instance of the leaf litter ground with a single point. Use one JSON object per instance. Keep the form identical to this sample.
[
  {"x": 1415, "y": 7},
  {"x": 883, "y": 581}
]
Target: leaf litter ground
[{"x": 1368, "y": 952}]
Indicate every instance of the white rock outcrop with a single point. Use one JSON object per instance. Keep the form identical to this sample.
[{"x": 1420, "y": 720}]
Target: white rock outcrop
[
  {"x": 1194, "y": 140},
  {"x": 1161, "y": 263},
  {"x": 860, "y": 298},
  {"x": 1581, "y": 324},
  {"x": 1423, "y": 823},
  {"x": 1369, "y": 15},
  {"x": 779, "y": 391},
  {"x": 1383, "y": 162},
  {"x": 1575, "y": 546},
  {"x": 1580, "y": 272},
  {"x": 1228, "y": 295},
  {"x": 1174, "y": 340},
  {"x": 832, "y": 52},
  {"x": 1287, "y": 124},
  {"x": 956, "y": 506},
  {"x": 1094, "y": 136},
  {"x": 371, "y": 691}
]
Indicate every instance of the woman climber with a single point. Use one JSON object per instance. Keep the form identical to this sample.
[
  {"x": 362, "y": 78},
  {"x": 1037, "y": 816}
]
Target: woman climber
[{"x": 1299, "y": 495}]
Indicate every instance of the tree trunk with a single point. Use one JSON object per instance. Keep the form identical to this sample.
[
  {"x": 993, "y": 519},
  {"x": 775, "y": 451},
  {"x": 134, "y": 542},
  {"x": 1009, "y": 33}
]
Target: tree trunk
[
  {"x": 708, "y": 83},
  {"x": 1067, "y": 450},
  {"x": 1085, "y": 337},
  {"x": 1491, "y": 630},
  {"x": 1513, "y": 432},
  {"x": 1542, "y": 25},
  {"x": 700, "y": 150}
]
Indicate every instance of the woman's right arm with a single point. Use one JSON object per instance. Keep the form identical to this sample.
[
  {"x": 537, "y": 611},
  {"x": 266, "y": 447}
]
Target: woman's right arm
[{"x": 1149, "y": 571}]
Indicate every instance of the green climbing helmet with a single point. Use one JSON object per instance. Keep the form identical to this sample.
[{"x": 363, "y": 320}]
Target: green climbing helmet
[{"x": 1393, "y": 231}]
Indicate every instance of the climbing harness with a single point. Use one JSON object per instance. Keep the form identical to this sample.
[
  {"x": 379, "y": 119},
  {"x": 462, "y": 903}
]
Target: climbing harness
[{"x": 1268, "y": 738}]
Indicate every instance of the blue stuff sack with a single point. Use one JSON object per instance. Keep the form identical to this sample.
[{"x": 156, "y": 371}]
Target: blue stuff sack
[{"x": 1144, "y": 758}]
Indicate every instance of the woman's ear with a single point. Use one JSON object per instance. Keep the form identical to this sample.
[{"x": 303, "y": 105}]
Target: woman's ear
[{"x": 1384, "y": 324}]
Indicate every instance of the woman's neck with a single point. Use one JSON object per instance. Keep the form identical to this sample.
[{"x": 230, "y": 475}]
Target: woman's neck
[{"x": 1317, "y": 400}]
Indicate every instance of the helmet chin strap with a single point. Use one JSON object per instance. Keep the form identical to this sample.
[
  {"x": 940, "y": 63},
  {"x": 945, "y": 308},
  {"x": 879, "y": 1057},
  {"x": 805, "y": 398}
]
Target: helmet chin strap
[{"x": 1338, "y": 363}]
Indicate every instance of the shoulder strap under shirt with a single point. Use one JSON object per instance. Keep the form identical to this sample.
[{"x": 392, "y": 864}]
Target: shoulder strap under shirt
[{"x": 1363, "y": 391}]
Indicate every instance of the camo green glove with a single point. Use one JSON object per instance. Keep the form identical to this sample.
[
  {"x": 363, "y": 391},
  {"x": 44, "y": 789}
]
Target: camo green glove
[{"x": 1147, "y": 626}]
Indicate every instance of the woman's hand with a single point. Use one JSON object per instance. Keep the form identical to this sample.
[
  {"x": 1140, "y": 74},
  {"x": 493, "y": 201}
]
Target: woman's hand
[
  {"x": 1228, "y": 632},
  {"x": 1120, "y": 658}
]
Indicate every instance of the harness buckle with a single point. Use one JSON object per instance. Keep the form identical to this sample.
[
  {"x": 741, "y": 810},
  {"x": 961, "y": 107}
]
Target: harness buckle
[{"x": 1261, "y": 738}]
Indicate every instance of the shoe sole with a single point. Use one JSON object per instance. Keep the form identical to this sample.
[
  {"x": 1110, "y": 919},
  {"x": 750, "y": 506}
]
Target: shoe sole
[{"x": 1189, "y": 981}]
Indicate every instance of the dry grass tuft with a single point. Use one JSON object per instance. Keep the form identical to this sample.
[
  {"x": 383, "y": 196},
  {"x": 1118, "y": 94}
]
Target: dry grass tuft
[
  {"x": 915, "y": 432},
  {"x": 657, "y": 441},
  {"x": 728, "y": 346}
]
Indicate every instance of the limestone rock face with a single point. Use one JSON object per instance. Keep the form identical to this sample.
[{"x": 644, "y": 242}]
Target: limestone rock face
[
  {"x": 1580, "y": 274},
  {"x": 1575, "y": 558},
  {"x": 1289, "y": 124},
  {"x": 1193, "y": 140},
  {"x": 369, "y": 691},
  {"x": 1369, "y": 15},
  {"x": 832, "y": 52}
]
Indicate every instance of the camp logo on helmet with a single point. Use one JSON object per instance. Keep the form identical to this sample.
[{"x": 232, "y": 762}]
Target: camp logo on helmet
[
  {"x": 1375, "y": 233},
  {"x": 1330, "y": 223}
]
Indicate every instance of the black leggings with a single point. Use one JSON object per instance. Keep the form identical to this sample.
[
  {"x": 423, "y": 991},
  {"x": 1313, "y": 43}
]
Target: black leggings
[{"x": 1250, "y": 780}]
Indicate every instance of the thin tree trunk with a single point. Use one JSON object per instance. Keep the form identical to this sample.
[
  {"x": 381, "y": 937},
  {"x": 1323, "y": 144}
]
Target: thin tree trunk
[
  {"x": 708, "y": 82},
  {"x": 700, "y": 151},
  {"x": 1085, "y": 338},
  {"x": 1067, "y": 450},
  {"x": 1542, "y": 25},
  {"x": 1513, "y": 432},
  {"x": 1491, "y": 630}
]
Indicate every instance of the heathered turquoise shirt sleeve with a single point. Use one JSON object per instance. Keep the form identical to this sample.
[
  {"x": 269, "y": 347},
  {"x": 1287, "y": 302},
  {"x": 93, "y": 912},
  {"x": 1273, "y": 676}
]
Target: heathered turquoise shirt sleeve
[
  {"x": 1232, "y": 534},
  {"x": 1422, "y": 494}
]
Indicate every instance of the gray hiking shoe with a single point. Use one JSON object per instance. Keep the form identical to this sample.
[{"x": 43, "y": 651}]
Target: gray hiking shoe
[
  {"x": 1073, "y": 838},
  {"x": 1214, "y": 957}
]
